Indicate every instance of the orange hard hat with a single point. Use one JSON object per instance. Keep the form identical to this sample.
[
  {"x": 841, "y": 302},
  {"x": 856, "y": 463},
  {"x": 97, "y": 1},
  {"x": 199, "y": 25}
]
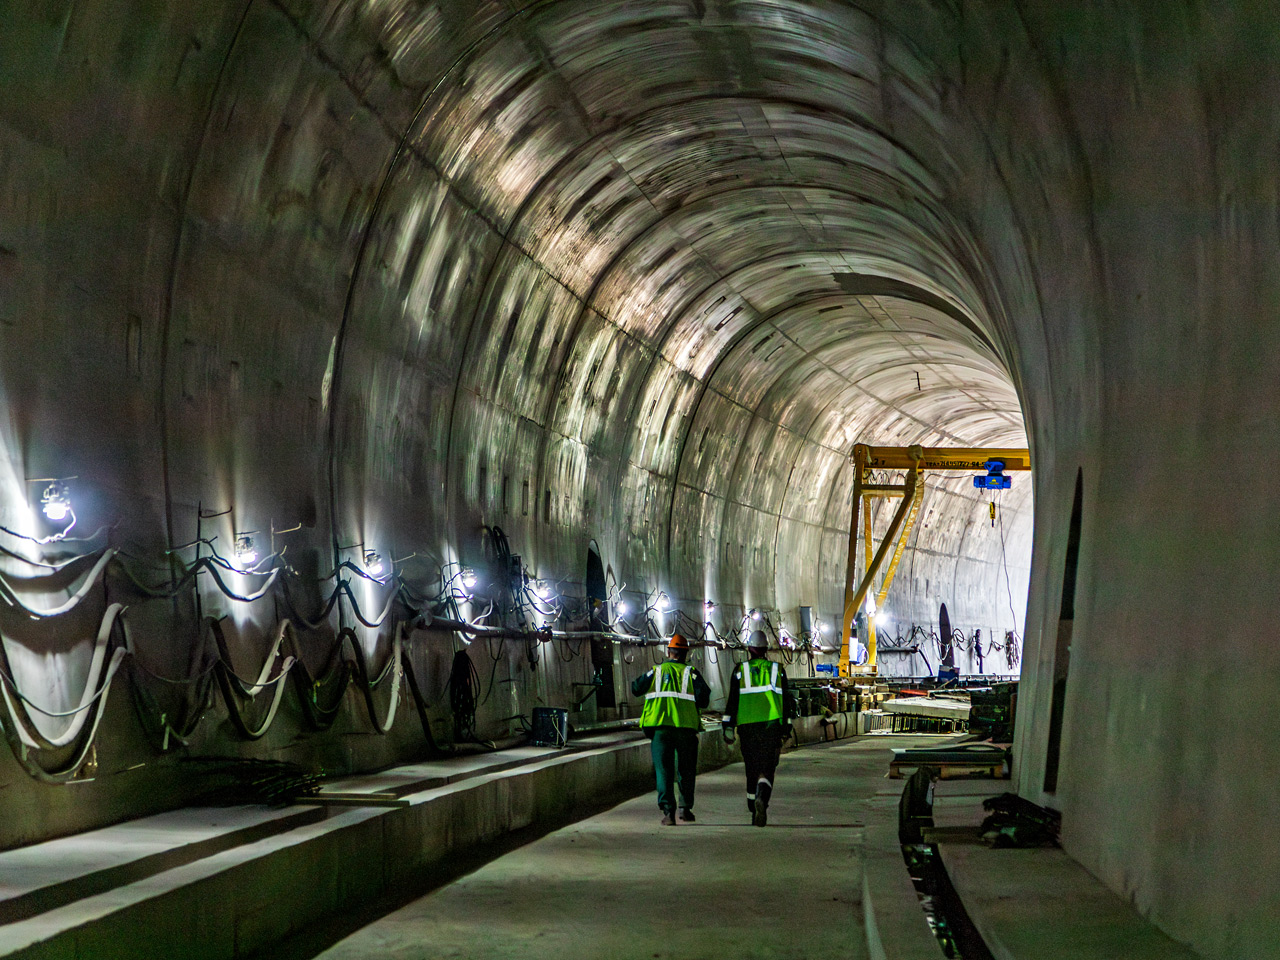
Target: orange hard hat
[{"x": 677, "y": 642}]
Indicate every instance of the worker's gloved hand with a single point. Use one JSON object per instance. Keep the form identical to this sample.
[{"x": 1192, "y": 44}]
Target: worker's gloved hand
[
  {"x": 788, "y": 731},
  {"x": 729, "y": 733}
]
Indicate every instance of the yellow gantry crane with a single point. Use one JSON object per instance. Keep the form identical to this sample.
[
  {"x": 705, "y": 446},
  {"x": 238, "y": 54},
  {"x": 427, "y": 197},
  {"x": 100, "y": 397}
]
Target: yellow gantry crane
[{"x": 915, "y": 460}]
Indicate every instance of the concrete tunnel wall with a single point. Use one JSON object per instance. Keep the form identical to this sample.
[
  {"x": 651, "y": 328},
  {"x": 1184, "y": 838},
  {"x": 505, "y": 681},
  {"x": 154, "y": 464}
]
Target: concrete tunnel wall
[{"x": 373, "y": 267}]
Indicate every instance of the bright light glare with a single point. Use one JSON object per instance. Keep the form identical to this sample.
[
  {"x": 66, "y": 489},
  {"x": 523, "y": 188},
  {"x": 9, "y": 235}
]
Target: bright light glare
[
  {"x": 543, "y": 591},
  {"x": 373, "y": 563},
  {"x": 469, "y": 578},
  {"x": 246, "y": 553},
  {"x": 710, "y": 604},
  {"x": 621, "y": 608},
  {"x": 664, "y": 602},
  {"x": 55, "y": 501},
  {"x": 755, "y": 614}
]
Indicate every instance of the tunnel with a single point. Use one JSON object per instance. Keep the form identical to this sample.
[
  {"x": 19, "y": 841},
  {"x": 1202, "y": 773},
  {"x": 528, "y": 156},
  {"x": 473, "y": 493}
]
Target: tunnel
[{"x": 344, "y": 337}]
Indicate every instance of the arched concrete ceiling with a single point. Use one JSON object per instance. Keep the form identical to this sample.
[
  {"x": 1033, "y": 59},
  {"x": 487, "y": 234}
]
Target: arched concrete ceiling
[
  {"x": 718, "y": 186},
  {"x": 641, "y": 271}
]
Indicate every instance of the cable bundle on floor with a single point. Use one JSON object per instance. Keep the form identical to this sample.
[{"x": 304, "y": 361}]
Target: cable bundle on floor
[{"x": 239, "y": 780}]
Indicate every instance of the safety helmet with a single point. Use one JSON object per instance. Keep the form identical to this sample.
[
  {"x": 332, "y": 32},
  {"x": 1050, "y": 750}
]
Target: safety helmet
[
  {"x": 757, "y": 640},
  {"x": 677, "y": 642}
]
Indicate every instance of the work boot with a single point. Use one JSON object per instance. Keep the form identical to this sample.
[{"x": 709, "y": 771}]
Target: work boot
[
  {"x": 687, "y": 815},
  {"x": 760, "y": 816},
  {"x": 668, "y": 820}
]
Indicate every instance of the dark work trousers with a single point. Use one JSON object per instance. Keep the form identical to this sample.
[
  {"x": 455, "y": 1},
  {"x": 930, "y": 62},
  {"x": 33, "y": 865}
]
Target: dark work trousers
[
  {"x": 761, "y": 748},
  {"x": 675, "y": 762}
]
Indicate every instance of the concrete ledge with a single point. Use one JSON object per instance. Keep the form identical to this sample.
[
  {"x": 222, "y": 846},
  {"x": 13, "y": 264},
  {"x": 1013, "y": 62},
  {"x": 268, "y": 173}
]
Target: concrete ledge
[
  {"x": 894, "y": 921},
  {"x": 1037, "y": 904},
  {"x": 237, "y": 901}
]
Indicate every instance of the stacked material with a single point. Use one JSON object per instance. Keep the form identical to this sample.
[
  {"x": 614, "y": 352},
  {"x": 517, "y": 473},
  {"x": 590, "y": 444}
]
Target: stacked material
[
  {"x": 934, "y": 707},
  {"x": 952, "y": 761}
]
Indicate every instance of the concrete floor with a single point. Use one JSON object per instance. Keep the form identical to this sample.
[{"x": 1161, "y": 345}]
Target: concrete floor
[{"x": 619, "y": 885}]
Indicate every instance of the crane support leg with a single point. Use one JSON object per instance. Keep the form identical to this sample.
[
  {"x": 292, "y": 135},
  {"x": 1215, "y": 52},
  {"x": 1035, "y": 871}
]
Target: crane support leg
[
  {"x": 853, "y": 598},
  {"x": 851, "y": 561}
]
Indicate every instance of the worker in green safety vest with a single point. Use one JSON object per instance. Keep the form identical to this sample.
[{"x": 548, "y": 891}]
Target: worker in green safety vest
[
  {"x": 760, "y": 707},
  {"x": 673, "y": 694}
]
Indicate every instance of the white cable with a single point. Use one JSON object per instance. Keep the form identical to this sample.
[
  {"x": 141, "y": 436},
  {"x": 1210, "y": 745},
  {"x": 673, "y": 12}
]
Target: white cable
[
  {"x": 91, "y": 578},
  {"x": 92, "y": 690}
]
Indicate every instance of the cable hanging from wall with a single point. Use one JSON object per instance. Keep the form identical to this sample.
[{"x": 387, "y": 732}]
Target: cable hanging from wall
[{"x": 517, "y": 609}]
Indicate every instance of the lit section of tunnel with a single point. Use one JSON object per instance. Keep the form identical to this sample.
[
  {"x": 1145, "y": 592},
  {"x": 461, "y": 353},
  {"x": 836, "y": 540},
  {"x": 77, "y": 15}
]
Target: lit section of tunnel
[
  {"x": 372, "y": 280},
  {"x": 679, "y": 337}
]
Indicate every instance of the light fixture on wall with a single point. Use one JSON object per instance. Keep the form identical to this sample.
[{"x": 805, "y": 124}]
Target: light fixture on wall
[
  {"x": 709, "y": 605},
  {"x": 373, "y": 563},
  {"x": 543, "y": 590},
  {"x": 621, "y": 608},
  {"x": 245, "y": 550},
  {"x": 664, "y": 602},
  {"x": 755, "y": 614},
  {"x": 56, "y": 501},
  {"x": 469, "y": 578}
]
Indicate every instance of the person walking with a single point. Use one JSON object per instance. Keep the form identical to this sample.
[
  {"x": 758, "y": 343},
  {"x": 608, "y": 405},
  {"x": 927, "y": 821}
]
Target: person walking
[
  {"x": 673, "y": 694},
  {"x": 761, "y": 708}
]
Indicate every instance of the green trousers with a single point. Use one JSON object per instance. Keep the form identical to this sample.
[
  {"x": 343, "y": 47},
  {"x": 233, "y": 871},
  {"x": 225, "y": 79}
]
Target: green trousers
[{"x": 675, "y": 764}]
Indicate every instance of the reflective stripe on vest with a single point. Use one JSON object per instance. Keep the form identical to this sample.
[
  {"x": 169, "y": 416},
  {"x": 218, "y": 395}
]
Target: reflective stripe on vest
[
  {"x": 671, "y": 702},
  {"x": 759, "y": 693}
]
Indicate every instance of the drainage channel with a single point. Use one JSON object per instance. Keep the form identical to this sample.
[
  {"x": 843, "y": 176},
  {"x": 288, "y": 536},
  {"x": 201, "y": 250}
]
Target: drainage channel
[{"x": 943, "y": 909}]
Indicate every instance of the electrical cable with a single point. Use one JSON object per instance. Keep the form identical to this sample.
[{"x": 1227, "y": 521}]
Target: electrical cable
[
  {"x": 463, "y": 682},
  {"x": 23, "y": 735},
  {"x": 212, "y": 567},
  {"x": 345, "y": 586},
  {"x": 10, "y": 596},
  {"x": 212, "y": 661},
  {"x": 52, "y": 566},
  {"x": 1012, "y": 656},
  {"x": 96, "y": 685},
  {"x": 58, "y": 537}
]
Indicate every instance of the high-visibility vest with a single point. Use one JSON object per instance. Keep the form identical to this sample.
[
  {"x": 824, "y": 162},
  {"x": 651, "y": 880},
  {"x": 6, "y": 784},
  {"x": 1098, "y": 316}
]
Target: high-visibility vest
[
  {"x": 759, "y": 692},
  {"x": 670, "y": 701}
]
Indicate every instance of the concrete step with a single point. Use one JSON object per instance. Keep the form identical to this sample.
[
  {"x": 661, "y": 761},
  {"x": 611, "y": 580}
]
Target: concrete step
[
  {"x": 222, "y": 883},
  {"x": 41, "y": 878}
]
